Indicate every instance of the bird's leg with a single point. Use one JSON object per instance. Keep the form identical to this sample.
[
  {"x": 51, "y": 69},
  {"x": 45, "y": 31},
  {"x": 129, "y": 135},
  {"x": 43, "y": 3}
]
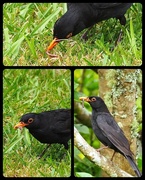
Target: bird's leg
[
  {"x": 122, "y": 20},
  {"x": 104, "y": 147},
  {"x": 113, "y": 155},
  {"x": 119, "y": 38},
  {"x": 65, "y": 146},
  {"x": 85, "y": 35},
  {"x": 43, "y": 152}
]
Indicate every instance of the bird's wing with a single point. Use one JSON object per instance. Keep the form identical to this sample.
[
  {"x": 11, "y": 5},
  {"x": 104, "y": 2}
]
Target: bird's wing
[
  {"x": 57, "y": 121},
  {"x": 113, "y": 132},
  {"x": 61, "y": 126},
  {"x": 96, "y": 5}
]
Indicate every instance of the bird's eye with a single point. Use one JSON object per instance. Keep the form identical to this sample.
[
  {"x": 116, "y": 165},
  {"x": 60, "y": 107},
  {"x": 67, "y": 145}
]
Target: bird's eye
[
  {"x": 93, "y": 99},
  {"x": 30, "y": 120},
  {"x": 69, "y": 35}
]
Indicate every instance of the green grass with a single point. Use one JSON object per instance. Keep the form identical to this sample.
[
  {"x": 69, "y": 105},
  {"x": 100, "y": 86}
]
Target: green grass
[
  {"x": 28, "y": 30},
  {"x": 30, "y": 90}
]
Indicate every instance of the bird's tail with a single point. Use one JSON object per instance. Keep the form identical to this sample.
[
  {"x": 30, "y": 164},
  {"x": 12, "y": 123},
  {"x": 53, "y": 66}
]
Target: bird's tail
[{"x": 133, "y": 165}]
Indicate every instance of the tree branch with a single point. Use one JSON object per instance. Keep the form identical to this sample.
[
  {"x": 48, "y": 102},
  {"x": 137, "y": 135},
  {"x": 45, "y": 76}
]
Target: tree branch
[
  {"x": 111, "y": 169},
  {"x": 82, "y": 114}
]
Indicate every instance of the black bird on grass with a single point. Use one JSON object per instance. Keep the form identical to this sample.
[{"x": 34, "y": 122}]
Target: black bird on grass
[
  {"x": 84, "y": 15},
  {"x": 107, "y": 130},
  {"x": 48, "y": 127}
]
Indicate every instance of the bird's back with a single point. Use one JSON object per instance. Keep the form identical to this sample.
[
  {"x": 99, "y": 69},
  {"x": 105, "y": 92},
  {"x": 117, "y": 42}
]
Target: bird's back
[
  {"x": 106, "y": 11},
  {"x": 100, "y": 11},
  {"x": 55, "y": 126}
]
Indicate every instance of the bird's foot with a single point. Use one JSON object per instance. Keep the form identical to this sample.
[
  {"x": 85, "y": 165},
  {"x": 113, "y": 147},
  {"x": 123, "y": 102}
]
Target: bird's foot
[
  {"x": 85, "y": 36},
  {"x": 119, "y": 38},
  {"x": 113, "y": 156},
  {"x": 43, "y": 152},
  {"x": 104, "y": 147}
]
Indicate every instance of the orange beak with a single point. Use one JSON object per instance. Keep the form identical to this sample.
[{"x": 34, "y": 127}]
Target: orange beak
[
  {"x": 52, "y": 44},
  {"x": 20, "y": 125},
  {"x": 85, "y": 99}
]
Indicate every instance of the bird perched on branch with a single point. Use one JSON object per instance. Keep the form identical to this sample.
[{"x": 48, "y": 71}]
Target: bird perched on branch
[
  {"x": 107, "y": 130},
  {"x": 84, "y": 15},
  {"x": 48, "y": 127}
]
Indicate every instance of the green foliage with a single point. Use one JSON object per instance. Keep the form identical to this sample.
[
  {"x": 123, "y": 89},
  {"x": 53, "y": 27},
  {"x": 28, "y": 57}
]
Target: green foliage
[
  {"x": 33, "y": 90},
  {"x": 83, "y": 174},
  {"x": 82, "y": 129},
  {"x": 28, "y": 30},
  {"x": 85, "y": 84}
]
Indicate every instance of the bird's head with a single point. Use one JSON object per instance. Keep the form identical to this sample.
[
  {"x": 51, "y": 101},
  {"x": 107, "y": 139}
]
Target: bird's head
[
  {"x": 96, "y": 103},
  {"x": 27, "y": 120},
  {"x": 67, "y": 26},
  {"x": 63, "y": 29}
]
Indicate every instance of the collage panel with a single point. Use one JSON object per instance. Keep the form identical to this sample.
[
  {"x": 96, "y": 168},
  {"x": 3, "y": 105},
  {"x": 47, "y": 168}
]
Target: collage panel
[
  {"x": 72, "y": 34},
  {"x": 107, "y": 122},
  {"x": 37, "y": 123}
]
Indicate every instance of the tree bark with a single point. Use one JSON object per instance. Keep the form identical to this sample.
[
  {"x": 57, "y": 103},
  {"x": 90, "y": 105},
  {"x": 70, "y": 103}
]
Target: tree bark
[{"x": 118, "y": 90}]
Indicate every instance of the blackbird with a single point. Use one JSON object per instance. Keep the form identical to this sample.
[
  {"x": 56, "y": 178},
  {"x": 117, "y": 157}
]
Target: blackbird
[
  {"x": 48, "y": 127},
  {"x": 107, "y": 130},
  {"x": 84, "y": 15}
]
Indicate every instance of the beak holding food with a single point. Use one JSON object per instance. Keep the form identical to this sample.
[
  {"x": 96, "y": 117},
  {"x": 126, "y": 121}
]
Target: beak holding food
[
  {"x": 20, "y": 125},
  {"x": 85, "y": 99},
  {"x": 52, "y": 44}
]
